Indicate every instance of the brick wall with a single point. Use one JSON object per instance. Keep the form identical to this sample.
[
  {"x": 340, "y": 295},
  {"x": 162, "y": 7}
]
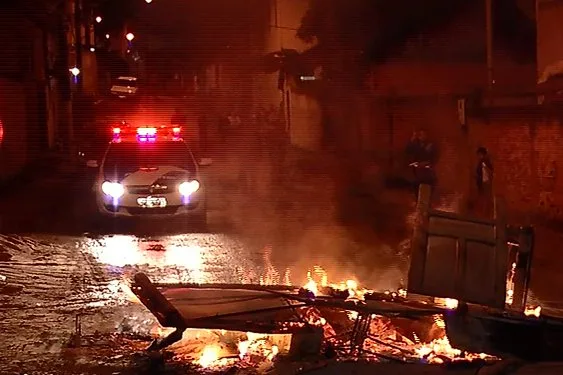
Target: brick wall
[{"x": 526, "y": 151}]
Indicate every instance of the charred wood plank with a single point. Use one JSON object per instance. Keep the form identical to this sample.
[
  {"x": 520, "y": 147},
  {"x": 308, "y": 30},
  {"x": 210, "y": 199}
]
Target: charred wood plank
[{"x": 158, "y": 305}]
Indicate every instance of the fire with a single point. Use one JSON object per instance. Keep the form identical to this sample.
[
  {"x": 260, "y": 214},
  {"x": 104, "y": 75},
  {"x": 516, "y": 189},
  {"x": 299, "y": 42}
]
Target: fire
[
  {"x": 217, "y": 349},
  {"x": 528, "y": 309},
  {"x": 311, "y": 286},
  {"x": 448, "y": 303},
  {"x": 435, "y": 351},
  {"x": 257, "y": 345},
  {"x": 209, "y": 356},
  {"x": 317, "y": 280}
]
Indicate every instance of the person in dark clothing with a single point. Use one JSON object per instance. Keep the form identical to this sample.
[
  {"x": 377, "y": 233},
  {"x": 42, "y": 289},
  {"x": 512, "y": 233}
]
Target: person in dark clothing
[
  {"x": 421, "y": 157},
  {"x": 413, "y": 148},
  {"x": 484, "y": 180}
]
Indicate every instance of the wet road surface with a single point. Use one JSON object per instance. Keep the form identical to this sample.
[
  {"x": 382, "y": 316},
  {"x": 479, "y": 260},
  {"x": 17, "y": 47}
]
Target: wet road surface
[
  {"x": 50, "y": 280},
  {"x": 56, "y": 263}
]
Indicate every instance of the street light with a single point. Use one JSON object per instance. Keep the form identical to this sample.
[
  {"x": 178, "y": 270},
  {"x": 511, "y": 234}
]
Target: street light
[
  {"x": 107, "y": 36},
  {"x": 130, "y": 36},
  {"x": 98, "y": 19},
  {"x": 148, "y": 1},
  {"x": 75, "y": 71}
]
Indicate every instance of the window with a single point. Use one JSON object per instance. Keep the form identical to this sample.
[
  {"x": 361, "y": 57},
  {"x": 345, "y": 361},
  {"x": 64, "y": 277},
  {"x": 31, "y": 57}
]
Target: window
[
  {"x": 124, "y": 158},
  {"x": 125, "y": 82}
]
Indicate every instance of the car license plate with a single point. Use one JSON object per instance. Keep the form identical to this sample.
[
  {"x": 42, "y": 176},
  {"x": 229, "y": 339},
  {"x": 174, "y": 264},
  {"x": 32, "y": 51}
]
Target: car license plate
[{"x": 152, "y": 202}]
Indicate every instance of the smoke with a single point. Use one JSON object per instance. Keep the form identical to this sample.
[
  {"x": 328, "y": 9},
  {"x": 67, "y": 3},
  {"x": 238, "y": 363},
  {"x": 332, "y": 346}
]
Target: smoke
[{"x": 292, "y": 218}]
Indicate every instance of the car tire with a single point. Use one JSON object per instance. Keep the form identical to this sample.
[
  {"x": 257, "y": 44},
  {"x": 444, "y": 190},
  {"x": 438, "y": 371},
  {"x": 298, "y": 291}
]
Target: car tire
[{"x": 97, "y": 223}]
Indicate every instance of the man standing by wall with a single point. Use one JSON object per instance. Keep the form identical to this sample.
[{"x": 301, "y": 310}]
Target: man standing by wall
[
  {"x": 421, "y": 157},
  {"x": 484, "y": 181}
]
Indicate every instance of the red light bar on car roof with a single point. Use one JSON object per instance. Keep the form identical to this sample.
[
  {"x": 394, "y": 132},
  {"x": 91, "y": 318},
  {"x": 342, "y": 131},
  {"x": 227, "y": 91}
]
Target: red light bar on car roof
[{"x": 147, "y": 132}]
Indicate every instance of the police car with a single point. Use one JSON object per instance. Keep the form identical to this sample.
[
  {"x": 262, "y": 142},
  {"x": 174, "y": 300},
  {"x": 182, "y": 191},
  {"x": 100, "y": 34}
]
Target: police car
[{"x": 150, "y": 172}]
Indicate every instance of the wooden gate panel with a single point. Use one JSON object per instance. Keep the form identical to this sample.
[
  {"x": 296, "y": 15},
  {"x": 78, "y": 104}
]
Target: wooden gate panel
[{"x": 459, "y": 257}]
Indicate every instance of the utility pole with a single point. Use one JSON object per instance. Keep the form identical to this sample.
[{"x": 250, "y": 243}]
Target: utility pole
[
  {"x": 63, "y": 78},
  {"x": 489, "y": 41},
  {"x": 78, "y": 40}
]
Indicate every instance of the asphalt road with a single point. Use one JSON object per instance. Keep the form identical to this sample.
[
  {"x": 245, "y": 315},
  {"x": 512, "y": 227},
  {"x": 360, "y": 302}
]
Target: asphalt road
[{"x": 59, "y": 263}]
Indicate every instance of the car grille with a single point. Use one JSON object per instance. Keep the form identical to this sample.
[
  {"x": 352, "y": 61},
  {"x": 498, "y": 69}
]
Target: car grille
[{"x": 146, "y": 189}]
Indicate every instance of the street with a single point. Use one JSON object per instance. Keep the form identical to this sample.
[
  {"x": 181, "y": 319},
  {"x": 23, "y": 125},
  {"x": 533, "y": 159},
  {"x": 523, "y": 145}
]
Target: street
[{"x": 58, "y": 264}]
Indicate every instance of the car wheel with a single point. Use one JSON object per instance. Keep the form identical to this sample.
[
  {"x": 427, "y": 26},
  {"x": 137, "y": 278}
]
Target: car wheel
[{"x": 97, "y": 223}]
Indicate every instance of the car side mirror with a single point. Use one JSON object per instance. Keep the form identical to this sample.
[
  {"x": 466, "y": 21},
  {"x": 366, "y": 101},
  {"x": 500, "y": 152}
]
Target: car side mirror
[
  {"x": 204, "y": 162},
  {"x": 92, "y": 164}
]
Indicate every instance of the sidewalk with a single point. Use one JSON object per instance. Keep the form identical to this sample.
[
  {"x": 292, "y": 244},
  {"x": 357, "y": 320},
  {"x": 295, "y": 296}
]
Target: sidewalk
[
  {"x": 35, "y": 170},
  {"x": 40, "y": 190}
]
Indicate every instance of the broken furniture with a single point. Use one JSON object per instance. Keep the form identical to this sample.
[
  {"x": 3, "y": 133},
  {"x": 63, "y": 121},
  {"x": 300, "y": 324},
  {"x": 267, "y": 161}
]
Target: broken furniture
[{"x": 469, "y": 259}]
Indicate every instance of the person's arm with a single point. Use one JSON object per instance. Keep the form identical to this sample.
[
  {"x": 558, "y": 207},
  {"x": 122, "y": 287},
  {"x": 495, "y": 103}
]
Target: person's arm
[
  {"x": 410, "y": 152},
  {"x": 489, "y": 165}
]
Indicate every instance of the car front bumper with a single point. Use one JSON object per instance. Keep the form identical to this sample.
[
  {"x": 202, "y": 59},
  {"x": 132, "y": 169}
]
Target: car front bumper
[{"x": 195, "y": 207}]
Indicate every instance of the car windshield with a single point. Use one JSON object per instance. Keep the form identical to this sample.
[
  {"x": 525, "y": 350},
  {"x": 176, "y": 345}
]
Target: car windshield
[
  {"x": 125, "y": 82},
  {"x": 124, "y": 158}
]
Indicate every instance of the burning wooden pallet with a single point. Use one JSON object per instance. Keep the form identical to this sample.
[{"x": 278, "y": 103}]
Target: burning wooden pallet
[
  {"x": 462, "y": 259},
  {"x": 258, "y": 308}
]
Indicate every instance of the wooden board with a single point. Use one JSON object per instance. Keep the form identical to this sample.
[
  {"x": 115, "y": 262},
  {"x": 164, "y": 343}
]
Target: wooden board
[{"x": 458, "y": 257}]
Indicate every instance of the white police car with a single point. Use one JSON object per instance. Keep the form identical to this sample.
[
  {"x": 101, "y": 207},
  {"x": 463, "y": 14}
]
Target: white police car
[{"x": 150, "y": 172}]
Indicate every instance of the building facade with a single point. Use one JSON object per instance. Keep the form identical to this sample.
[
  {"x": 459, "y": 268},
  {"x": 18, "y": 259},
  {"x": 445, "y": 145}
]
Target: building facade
[
  {"x": 422, "y": 84},
  {"x": 301, "y": 113},
  {"x": 550, "y": 39},
  {"x": 26, "y": 126}
]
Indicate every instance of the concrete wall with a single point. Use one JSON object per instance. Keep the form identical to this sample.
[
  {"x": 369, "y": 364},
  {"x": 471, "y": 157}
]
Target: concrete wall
[
  {"x": 304, "y": 114},
  {"x": 525, "y": 150}
]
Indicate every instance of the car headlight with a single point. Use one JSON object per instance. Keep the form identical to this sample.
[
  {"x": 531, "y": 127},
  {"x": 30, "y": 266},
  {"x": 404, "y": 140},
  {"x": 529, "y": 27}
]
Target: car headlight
[
  {"x": 113, "y": 189},
  {"x": 189, "y": 187}
]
